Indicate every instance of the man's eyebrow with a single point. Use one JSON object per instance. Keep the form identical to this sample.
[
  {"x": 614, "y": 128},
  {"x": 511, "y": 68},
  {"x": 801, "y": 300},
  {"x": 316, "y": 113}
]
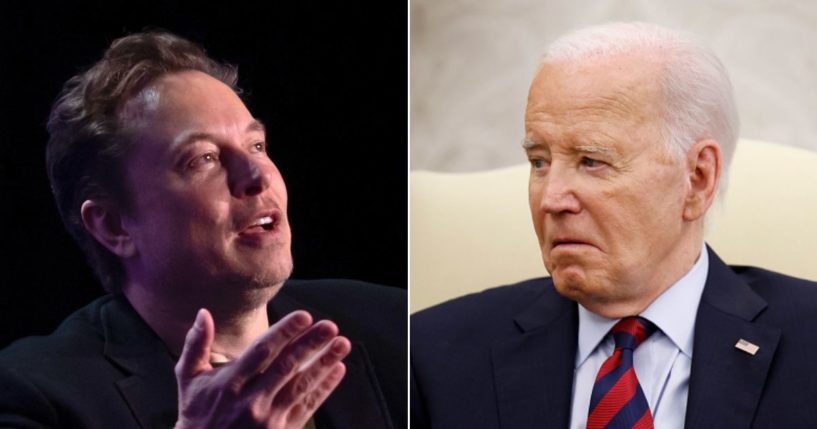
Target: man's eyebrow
[
  {"x": 255, "y": 126},
  {"x": 604, "y": 150},
  {"x": 191, "y": 137},
  {"x": 529, "y": 144}
]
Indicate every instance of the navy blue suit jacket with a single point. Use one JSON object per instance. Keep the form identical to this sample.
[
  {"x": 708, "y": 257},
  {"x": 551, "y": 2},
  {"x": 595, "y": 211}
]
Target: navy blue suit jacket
[
  {"x": 105, "y": 368},
  {"x": 505, "y": 357}
]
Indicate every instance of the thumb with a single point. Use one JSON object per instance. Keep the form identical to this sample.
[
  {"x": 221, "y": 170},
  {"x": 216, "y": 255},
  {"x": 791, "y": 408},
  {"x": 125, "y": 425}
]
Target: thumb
[{"x": 195, "y": 357}]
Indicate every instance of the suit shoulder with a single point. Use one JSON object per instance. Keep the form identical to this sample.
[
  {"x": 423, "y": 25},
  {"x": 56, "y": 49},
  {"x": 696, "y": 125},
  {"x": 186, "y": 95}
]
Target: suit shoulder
[
  {"x": 36, "y": 370},
  {"x": 774, "y": 286},
  {"x": 791, "y": 302},
  {"x": 506, "y": 298},
  {"x": 364, "y": 311},
  {"x": 479, "y": 311},
  {"x": 78, "y": 335},
  {"x": 346, "y": 296}
]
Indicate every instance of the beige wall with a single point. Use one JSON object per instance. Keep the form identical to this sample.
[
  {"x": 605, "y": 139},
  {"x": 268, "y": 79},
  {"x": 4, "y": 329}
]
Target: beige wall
[{"x": 471, "y": 62}]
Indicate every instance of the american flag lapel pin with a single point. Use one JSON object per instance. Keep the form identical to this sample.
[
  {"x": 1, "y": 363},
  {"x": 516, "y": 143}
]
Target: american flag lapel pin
[{"x": 747, "y": 347}]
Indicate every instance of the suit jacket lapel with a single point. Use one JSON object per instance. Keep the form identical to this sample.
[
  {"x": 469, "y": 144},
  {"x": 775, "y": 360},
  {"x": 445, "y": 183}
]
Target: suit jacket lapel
[
  {"x": 725, "y": 382},
  {"x": 149, "y": 384},
  {"x": 533, "y": 371},
  {"x": 344, "y": 407}
]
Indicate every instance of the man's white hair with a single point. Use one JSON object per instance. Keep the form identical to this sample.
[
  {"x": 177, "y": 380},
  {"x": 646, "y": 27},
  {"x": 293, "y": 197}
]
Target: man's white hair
[{"x": 699, "y": 102}]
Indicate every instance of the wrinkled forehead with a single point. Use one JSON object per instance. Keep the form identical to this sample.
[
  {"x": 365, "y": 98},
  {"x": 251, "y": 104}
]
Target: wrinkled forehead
[
  {"x": 610, "y": 105},
  {"x": 626, "y": 85}
]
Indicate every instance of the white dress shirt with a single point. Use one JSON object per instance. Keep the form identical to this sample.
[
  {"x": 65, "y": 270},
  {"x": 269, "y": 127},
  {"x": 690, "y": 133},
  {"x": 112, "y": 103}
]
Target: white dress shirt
[{"x": 662, "y": 362}]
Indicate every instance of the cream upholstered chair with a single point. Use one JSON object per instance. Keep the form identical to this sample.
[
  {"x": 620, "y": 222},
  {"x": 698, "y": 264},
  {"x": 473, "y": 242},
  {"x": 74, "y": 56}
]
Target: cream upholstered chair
[{"x": 473, "y": 231}]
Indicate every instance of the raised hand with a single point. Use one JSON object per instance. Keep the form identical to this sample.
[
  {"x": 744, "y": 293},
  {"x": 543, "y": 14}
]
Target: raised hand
[{"x": 278, "y": 382}]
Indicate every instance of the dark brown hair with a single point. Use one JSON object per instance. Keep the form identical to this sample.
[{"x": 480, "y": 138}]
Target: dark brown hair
[{"x": 87, "y": 146}]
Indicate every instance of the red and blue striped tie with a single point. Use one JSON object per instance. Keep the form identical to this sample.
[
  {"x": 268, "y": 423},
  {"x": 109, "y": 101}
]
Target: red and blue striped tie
[{"x": 617, "y": 401}]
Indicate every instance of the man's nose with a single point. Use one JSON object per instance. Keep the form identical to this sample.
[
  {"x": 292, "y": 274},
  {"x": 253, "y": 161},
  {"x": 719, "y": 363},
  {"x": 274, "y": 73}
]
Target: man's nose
[
  {"x": 249, "y": 175},
  {"x": 559, "y": 194}
]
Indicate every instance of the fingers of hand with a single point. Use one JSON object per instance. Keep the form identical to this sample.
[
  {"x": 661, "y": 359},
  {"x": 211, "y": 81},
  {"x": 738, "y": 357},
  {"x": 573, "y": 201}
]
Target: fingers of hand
[
  {"x": 300, "y": 362},
  {"x": 318, "y": 375},
  {"x": 195, "y": 356},
  {"x": 296, "y": 355},
  {"x": 268, "y": 347},
  {"x": 308, "y": 403},
  {"x": 261, "y": 413}
]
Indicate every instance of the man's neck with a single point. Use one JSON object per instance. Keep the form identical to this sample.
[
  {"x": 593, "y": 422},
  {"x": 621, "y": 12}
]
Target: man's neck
[{"x": 237, "y": 323}]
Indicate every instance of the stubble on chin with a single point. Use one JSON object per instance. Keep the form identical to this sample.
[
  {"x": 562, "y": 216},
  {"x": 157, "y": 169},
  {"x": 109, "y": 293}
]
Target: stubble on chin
[
  {"x": 261, "y": 282},
  {"x": 241, "y": 291}
]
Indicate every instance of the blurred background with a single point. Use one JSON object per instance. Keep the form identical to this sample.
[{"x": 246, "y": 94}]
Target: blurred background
[
  {"x": 472, "y": 62},
  {"x": 328, "y": 79}
]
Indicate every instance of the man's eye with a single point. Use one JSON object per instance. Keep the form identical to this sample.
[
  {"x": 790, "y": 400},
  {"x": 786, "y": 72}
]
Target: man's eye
[
  {"x": 539, "y": 166},
  {"x": 591, "y": 163},
  {"x": 202, "y": 160},
  {"x": 260, "y": 147}
]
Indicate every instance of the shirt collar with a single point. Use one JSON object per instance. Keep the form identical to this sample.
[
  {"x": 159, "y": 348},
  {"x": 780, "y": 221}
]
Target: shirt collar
[{"x": 673, "y": 312}]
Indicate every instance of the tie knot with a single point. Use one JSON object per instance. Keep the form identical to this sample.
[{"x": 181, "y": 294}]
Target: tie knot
[{"x": 630, "y": 332}]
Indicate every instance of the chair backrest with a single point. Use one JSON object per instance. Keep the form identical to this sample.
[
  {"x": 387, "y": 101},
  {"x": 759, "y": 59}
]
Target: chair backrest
[{"x": 473, "y": 231}]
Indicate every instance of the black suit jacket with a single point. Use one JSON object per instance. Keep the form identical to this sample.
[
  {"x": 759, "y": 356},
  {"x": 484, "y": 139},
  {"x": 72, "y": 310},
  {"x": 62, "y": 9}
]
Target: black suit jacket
[
  {"x": 505, "y": 358},
  {"x": 105, "y": 368}
]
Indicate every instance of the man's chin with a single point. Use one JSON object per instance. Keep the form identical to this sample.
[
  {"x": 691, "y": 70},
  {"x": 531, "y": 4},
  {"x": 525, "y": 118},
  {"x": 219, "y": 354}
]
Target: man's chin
[
  {"x": 260, "y": 271},
  {"x": 597, "y": 297},
  {"x": 573, "y": 283},
  {"x": 253, "y": 277},
  {"x": 271, "y": 277},
  {"x": 246, "y": 292}
]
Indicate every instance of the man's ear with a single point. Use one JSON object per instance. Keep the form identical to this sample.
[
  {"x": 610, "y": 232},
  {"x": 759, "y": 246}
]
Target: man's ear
[
  {"x": 704, "y": 170},
  {"x": 104, "y": 222}
]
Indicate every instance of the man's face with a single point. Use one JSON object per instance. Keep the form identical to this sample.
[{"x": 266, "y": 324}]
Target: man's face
[
  {"x": 605, "y": 197},
  {"x": 209, "y": 204}
]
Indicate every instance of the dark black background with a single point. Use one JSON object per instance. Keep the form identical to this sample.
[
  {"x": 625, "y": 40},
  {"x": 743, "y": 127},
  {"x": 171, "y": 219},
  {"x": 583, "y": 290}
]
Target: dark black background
[{"x": 328, "y": 78}]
